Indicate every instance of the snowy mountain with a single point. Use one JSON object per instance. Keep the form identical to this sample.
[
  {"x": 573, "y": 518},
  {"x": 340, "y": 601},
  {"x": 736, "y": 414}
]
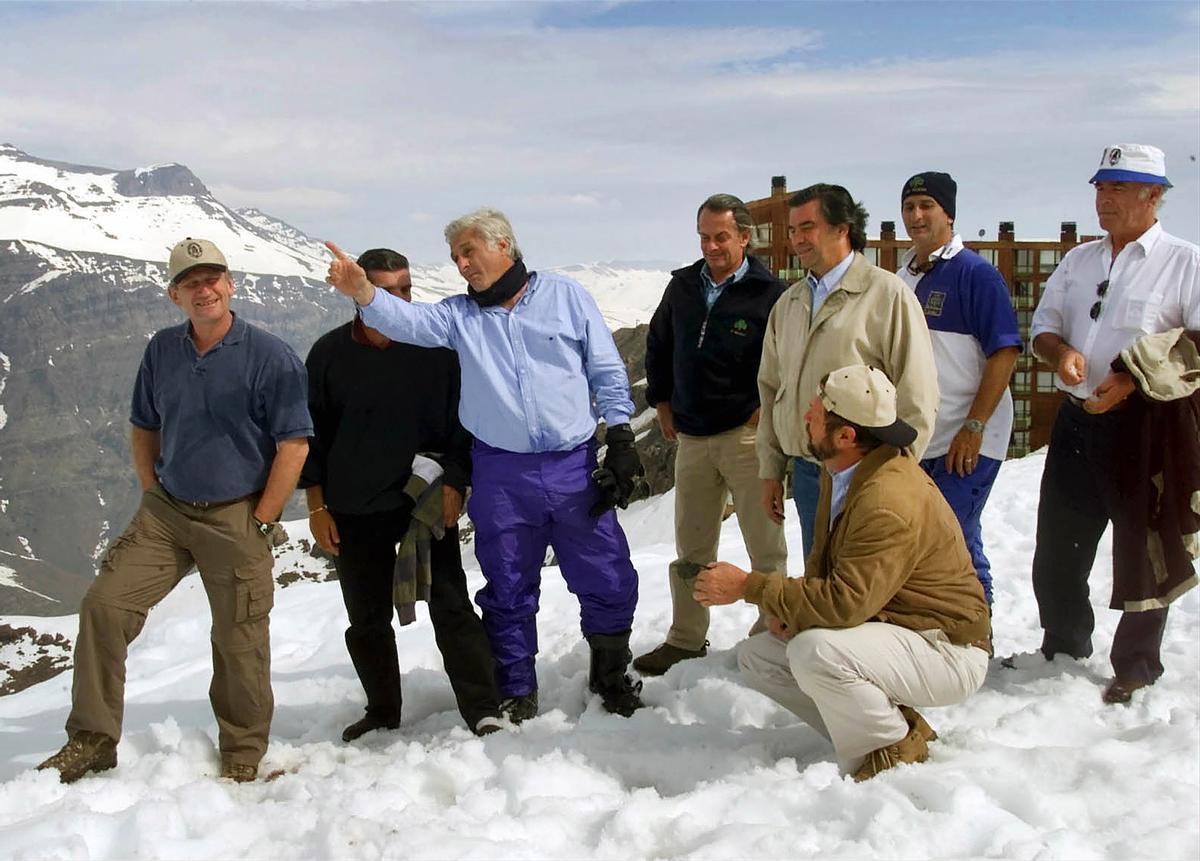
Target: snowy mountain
[
  {"x": 1033, "y": 766},
  {"x": 82, "y": 263}
]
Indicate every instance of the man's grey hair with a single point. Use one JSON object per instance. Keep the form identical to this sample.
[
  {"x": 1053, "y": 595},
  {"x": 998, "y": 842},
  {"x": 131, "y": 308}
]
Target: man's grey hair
[
  {"x": 490, "y": 224},
  {"x": 1146, "y": 191},
  {"x": 719, "y": 203}
]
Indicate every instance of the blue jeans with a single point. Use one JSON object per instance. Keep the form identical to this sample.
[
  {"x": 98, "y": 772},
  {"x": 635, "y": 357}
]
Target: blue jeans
[
  {"x": 967, "y": 495},
  {"x": 806, "y": 490}
]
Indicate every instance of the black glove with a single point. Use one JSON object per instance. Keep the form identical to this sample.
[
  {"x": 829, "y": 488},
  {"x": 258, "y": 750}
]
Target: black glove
[{"x": 618, "y": 479}]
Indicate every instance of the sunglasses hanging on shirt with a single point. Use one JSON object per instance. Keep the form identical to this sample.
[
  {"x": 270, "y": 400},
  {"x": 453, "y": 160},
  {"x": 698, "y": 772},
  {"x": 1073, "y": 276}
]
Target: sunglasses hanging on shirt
[{"x": 1101, "y": 290}]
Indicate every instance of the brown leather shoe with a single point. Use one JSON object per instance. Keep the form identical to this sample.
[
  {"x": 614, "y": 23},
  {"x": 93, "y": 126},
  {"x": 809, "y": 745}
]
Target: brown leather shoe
[
  {"x": 84, "y": 753},
  {"x": 911, "y": 748},
  {"x": 1121, "y": 690},
  {"x": 658, "y": 661},
  {"x": 239, "y": 772},
  {"x": 918, "y": 723}
]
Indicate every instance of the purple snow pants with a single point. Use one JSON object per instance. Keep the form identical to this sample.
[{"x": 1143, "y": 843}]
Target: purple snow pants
[{"x": 521, "y": 503}]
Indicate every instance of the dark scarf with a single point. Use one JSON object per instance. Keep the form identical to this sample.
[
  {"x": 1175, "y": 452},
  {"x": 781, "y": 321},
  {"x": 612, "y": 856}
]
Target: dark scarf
[{"x": 507, "y": 285}]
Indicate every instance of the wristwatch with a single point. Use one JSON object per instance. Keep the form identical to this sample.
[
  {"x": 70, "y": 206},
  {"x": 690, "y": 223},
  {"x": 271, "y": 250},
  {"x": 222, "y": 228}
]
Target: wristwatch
[
  {"x": 264, "y": 529},
  {"x": 974, "y": 425}
]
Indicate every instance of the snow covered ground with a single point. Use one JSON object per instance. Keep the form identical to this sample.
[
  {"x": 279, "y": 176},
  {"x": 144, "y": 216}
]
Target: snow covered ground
[{"x": 1033, "y": 766}]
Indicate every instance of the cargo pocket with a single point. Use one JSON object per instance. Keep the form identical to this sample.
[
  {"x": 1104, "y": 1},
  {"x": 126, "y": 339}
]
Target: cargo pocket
[{"x": 255, "y": 592}]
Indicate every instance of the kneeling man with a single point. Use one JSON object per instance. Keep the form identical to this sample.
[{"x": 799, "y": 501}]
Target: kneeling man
[{"x": 889, "y": 614}]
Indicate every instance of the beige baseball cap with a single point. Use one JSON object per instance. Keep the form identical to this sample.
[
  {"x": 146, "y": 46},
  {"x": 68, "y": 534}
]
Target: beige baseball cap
[
  {"x": 865, "y": 396},
  {"x": 189, "y": 254}
]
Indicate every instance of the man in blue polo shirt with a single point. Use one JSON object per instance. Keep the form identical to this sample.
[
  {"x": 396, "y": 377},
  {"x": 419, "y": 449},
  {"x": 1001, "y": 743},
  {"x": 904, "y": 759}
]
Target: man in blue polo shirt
[
  {"x": 975, "y": 346},
  {"x": 220, "y": 432},
  {"x": 539, "y": 368}
]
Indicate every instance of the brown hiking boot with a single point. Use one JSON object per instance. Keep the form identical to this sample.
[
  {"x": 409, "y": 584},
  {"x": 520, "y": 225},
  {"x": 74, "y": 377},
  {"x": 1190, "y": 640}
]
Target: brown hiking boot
[
  {"x": 84, "y": 753},
  {"x": 916, "y": 722},
  {"x": 658, "y": 661},
  {"x": 239, "y": 772},
  {"x": 911, "y": 748}
]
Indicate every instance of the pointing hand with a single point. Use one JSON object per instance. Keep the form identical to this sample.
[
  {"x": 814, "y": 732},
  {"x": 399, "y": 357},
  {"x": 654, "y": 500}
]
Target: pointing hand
[{"x": 348, "y": 277}]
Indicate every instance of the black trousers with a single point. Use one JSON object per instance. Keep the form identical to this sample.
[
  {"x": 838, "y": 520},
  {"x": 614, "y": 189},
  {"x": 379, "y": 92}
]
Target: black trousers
[
  {"x": 368, "y": 555},
  {"x": 1078, "y": 499}
]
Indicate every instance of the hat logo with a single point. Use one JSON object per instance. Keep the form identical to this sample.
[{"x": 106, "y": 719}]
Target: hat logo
[
  {"x": 1114, "y": 155},
  {"x": 194, "y": 250}
]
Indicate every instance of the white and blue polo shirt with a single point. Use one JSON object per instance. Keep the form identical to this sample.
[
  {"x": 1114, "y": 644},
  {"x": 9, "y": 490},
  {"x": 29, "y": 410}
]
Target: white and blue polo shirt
[{"x": 970, "y": 317}]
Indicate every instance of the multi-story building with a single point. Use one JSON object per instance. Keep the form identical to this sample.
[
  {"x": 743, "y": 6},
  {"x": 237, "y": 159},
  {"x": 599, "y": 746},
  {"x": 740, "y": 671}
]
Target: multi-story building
[{"x": 1025, "y": 265}]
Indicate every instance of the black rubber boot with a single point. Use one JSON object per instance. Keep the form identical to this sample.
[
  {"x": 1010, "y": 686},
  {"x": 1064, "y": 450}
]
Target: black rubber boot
[{"x": 610, "y": 659}]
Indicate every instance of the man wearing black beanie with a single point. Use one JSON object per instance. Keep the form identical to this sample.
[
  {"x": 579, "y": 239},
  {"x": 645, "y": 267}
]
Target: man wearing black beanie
[{"x": 975, "y": 347}]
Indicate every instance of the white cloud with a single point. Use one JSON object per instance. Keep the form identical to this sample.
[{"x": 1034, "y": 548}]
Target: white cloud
[{"x": 353, "y": 120}]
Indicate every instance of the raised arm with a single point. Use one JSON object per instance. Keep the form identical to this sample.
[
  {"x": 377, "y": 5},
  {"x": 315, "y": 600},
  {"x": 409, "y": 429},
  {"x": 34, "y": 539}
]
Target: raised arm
[{"x": 420, "y": 323}]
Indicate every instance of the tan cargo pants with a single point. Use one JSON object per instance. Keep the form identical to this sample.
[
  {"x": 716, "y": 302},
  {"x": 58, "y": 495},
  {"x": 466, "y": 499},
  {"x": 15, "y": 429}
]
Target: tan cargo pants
[
  {"x": 707, "y": 469},
  {"x": 846, "y": 683},
  {"x": 160, "y": 546}
]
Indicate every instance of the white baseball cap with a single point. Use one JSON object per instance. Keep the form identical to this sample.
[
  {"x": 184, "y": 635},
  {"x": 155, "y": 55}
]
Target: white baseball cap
[
  {"x": 865, "y": 396},
  {"x": 1132, "y": 163}
]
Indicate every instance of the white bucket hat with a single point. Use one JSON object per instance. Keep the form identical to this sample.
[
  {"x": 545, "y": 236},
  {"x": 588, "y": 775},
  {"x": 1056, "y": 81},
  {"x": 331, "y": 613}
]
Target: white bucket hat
[{"x": 1132, "y": 163}]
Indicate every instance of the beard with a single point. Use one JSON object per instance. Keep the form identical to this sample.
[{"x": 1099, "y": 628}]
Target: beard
[{"x": 823, "y": 448}]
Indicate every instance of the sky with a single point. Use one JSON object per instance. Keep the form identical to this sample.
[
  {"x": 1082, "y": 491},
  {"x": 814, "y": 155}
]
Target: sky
[{"x": 600, "y": 127}]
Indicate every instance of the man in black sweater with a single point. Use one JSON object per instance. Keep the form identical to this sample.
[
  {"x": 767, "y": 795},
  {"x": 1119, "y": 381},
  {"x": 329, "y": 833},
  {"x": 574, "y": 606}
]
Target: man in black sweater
[
  {"x": 376, "y": 404},
  {"x": 702, "y": 354}
]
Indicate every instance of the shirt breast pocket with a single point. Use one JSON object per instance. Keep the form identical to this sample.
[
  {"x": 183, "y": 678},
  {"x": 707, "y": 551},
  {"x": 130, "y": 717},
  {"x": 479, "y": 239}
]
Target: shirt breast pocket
[{"x": 1140, "y": 313}]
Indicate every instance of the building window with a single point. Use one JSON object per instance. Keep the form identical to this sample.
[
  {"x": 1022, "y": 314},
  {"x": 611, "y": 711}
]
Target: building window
[
  {"x": 1024, "y": 321},
  {"x": 1020, "y": 382},
  {"x": 1023, "y": 296},
  {"x": 1048, "y": 259},
  {"x": 1023, "y": 262},
  {"x": 988, "y": 254},
  {"x": 872, "y": 255},
  {"x": 1045, "y": 381},
  {"x": 762, "y": 234}
]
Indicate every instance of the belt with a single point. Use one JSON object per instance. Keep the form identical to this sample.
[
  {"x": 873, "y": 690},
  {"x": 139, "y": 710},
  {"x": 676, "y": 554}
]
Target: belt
[
  {"x": 1079, "y": 402},
  {"x": 205, "y": 506}
]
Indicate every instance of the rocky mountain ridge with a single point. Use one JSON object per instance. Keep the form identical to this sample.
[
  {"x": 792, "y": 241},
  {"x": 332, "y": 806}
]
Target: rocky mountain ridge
[{"x": 82, "y": 269}]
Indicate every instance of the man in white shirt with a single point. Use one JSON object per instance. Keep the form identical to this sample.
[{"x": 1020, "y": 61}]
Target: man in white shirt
[{"x": 1137, "y": 280}]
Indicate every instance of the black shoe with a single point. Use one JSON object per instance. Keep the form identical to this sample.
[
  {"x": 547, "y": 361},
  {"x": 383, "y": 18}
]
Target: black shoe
[
  {"x": 488, "y": 724},
  {"x": 520, "y": 709},
  {"x": 365, "y": 725},
  {"x": 610, "y": 657}
]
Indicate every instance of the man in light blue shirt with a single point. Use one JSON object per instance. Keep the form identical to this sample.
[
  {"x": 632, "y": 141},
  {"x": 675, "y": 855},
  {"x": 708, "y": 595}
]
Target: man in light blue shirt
[{"x": 539, "y": 369}]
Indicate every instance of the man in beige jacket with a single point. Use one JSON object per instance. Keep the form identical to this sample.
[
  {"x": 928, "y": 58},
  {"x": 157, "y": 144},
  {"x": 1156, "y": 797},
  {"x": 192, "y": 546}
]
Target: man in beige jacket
[
  {"x": 889, "y": 613},
  {"x": 845, "y": 311}
]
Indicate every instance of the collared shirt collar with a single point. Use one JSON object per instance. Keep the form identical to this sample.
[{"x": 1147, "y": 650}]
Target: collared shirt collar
[
  {"x": 237, "y": 331},
  {"x": 841, "y": 485},
  {"x": 738, "y": 274},
  {"x": 833, "y": 277},
  {"x": 1146, "y": 241},
  {"x": 945, "y": 252}
]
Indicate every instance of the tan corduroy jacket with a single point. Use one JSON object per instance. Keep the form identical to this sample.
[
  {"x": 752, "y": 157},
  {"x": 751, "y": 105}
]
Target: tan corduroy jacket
[
  {"x": 873, "y": 318},
  {"x": 896, "y": 555}
]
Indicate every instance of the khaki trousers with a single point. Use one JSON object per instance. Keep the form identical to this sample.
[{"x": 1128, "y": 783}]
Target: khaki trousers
[
  {"x": 707, "y": 469},
  {"x": 160, "y": 546},
  {"x": 846, "y": 683}
]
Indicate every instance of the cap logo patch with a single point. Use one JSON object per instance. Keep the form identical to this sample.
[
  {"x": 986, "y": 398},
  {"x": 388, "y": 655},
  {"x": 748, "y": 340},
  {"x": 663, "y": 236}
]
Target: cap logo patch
[
  {"x": 1114, "y": 155},
  {"x": 194, "y": 250}
]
